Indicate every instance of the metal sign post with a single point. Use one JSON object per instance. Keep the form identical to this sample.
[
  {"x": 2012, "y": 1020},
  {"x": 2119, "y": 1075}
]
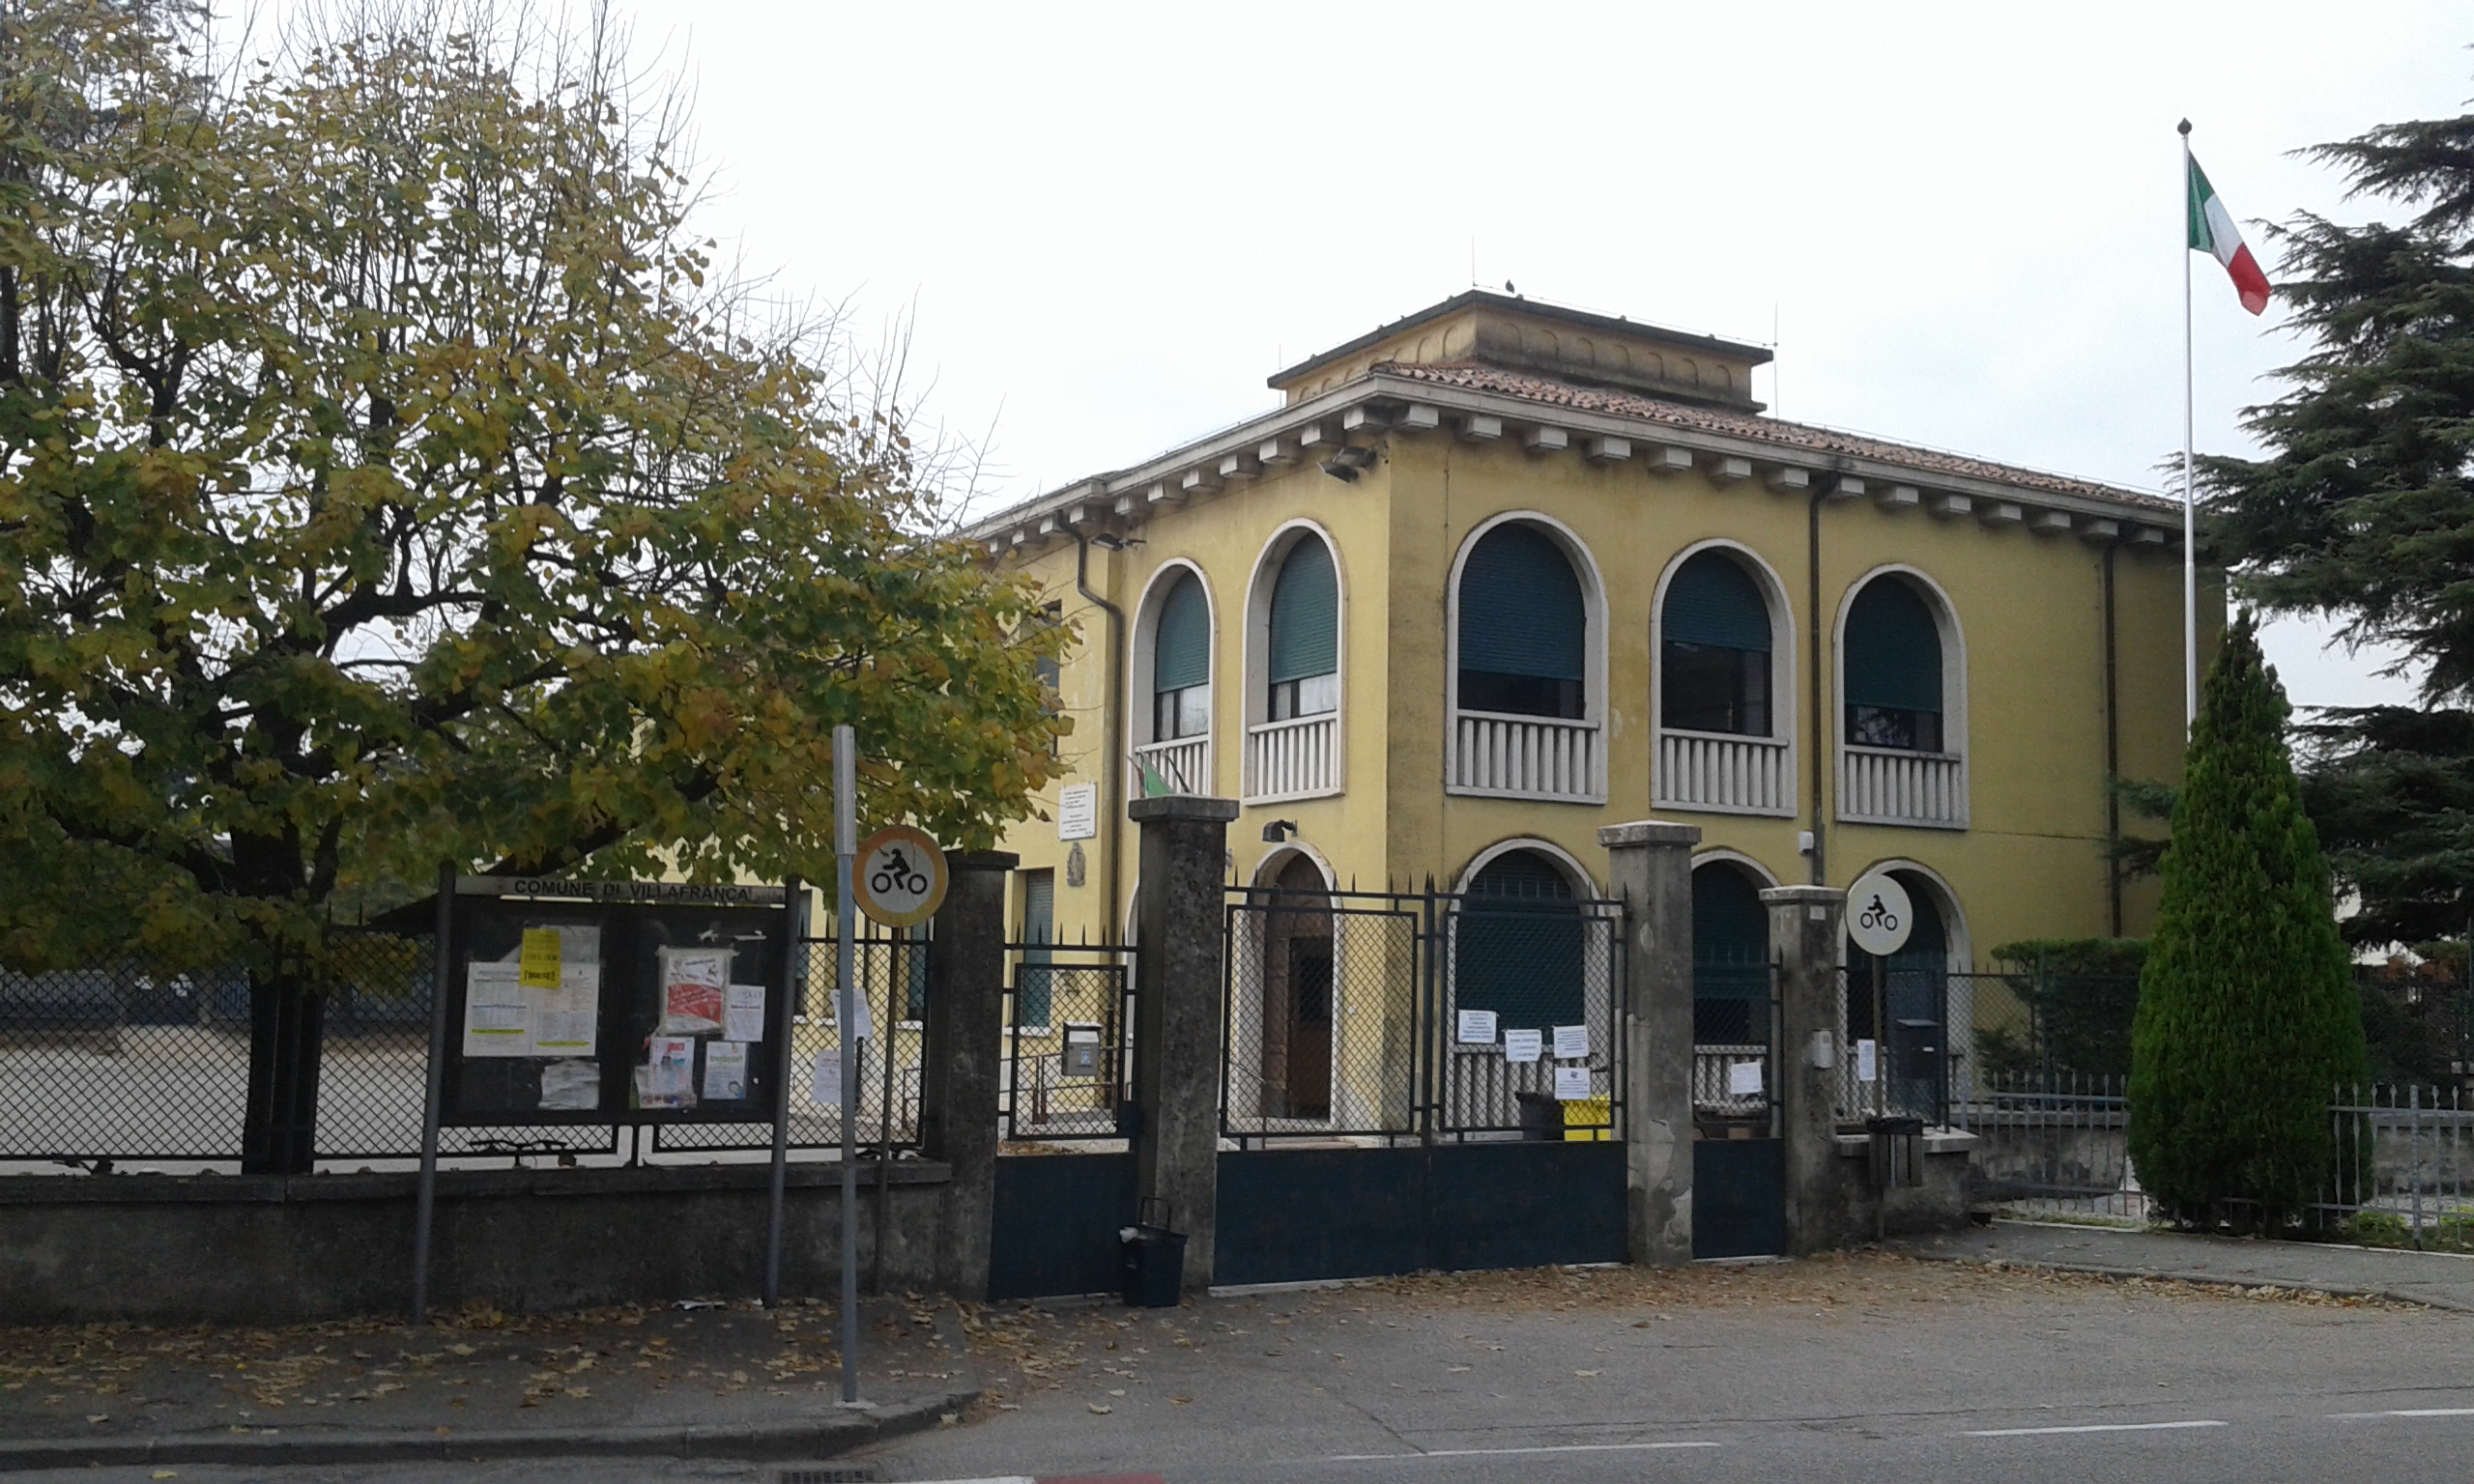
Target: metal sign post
[
  {"x": 1879, "y": 918},
  {"x": 425, "y": 1202},
  {"x": 846, "y": 849},
  {"x": 778, "y": 1028}
]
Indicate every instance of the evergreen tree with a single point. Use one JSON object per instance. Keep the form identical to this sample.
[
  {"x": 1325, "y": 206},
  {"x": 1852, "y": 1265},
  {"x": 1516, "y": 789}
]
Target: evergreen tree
[
  {"x": 2364, "y": 513},
  {"x": 2247, "y": 1018}
]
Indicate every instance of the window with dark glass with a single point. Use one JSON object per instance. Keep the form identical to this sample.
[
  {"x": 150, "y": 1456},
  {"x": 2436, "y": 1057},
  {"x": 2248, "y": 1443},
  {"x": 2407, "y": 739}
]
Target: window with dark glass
[
  {"x": 1730, "y": 959},
  {"x": 1517, "y": 944},
  {"x": 1304, "y": 634},
  {"x": 1893, "y": 669},
  {"x": 1524, "y": 627},
  {"x": 1181, "y": 664},
  {"x": 1713, "y": 650}
]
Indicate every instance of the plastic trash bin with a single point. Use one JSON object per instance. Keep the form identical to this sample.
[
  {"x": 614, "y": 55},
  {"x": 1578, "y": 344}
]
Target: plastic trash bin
[
  {"x": 1541, "y": 1117},
  {"x": 1152, "y": 1258}
]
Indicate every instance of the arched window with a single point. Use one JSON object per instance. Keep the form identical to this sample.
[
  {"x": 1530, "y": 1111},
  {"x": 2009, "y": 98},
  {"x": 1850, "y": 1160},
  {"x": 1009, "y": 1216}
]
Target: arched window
[
  {"x": 1893, "y": 669},
  {"x": 1181, "y": 664},
  {"x": 1524, "y": 627},
  {"x": 1518, "y": 944},
  {"x": 1714, "y": 659},
  {"x": 1304, "y": 645},
  {"x": 1729, "y": 958}
]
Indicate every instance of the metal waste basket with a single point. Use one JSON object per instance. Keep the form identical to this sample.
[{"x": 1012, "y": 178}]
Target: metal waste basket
[
  {"x": 1152, "y": 1258},
  {"x": 1897, "y": 1149}
]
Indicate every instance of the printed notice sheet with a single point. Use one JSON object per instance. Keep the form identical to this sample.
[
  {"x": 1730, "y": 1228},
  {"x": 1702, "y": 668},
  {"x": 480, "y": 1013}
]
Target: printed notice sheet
[
  {"x": 725, "y": 1071},
  {"x": 1865, "y": 1060},
  {"x": 572, "y": 1086},
  {"x": 567, "y": 1021},
  {"x": 691, "y": 990},
  {"x": 1571, "y": 1083},
  {"x": 1476, "y": 1027},
  {"x": 498, "y": 1012},
  {"x": 538, "y": 964},
  {"x": 1743, "y": 1080},
  {"x": 743, "y": 1012},
  {"x": 1571, "y": 1041},
  {"x": 1523, "y": 1046},
  {"x": 826, "y": 1087}
]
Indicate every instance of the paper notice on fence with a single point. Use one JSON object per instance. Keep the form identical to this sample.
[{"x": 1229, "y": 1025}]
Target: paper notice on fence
[
  {"x": 743, "y": 1012},
  {"x": 1571, "y": 1041},
  {"x": 538, "y": 964},
  {"x": 1476, "y": 1027},
  {"x": 855, "y": 1014},
  {"x": 1866, "y": 1059},
  {"x": 725, "y": 1071},
  {"x": 571, "y": 1086},
  {"x": 1571, "y": 1083},
  {"x": 691, "y": 990},
  {"x": 1523, "y": 1046},
  {"x": 826, "y": 1088},
  {"x": 567, "y": 1021},
  {"x": 1743, "y": 1080},
  {"x": 669, "y": 1072},
  {"x": 498, "y": 1012}
]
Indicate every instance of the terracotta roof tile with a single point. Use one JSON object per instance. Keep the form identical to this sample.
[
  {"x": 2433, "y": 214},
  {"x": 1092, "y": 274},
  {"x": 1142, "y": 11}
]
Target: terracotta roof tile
[{"x": 1757, "y": 429}]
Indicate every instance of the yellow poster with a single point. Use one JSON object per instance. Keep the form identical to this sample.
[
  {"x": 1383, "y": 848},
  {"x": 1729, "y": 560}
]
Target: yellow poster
[{"x": 538, "y": 967}]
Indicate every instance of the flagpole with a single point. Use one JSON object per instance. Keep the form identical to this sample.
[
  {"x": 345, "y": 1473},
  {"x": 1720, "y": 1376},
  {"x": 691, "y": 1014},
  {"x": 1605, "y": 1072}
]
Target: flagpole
[{"x": 2190, "y": 492}]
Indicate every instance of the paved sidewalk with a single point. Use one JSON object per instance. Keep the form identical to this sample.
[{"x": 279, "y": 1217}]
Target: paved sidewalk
[
  {"x": 2440, "y": 1280},
  {"x": 715, "y": 1381}
]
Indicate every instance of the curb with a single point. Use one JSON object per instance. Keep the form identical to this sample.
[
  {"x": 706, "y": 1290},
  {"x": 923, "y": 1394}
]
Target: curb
[
  {"x": 2203, "y": 1279},
  {"x": 803, "y": 1440}
]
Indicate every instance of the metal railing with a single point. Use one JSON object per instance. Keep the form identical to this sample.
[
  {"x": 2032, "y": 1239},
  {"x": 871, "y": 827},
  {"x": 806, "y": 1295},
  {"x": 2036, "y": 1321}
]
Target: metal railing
[
  {"x": 2053, "y": 1143},
  {"x": 1723, "y": 774},
  {"x": 1526, "y": 758},
  {"x": 2404, "y": 1168},
  {"x": 1183, "y": 765}
]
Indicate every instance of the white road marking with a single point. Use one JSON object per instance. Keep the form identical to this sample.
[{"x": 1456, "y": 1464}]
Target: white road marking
[
  {"x": 2089, "y": 1427},
  {"x": 1569, "y": 1447},
  {"x": 2410, "y": 1411}
]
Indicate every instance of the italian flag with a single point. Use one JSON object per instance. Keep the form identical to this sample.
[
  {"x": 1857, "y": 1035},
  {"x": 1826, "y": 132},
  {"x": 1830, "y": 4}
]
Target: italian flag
[{"x": 2212, "y": 230}]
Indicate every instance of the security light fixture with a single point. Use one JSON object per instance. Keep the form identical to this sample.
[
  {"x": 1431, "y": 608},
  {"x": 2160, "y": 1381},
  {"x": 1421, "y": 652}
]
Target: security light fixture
[
  {"x": 1279, "y": 831},
  {"x": 1110, "y": 541},
  {"x": 1345, "y": 465}
]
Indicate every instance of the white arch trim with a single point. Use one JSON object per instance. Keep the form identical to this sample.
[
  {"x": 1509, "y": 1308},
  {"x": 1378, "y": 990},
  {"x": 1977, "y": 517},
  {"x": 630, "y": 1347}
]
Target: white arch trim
[
  {"x": 1277, "y": 861},
  {"x": 1708, "y": 772},
  {"x": 1468, "y": 766},
  {"x": 1255, "y": 705},
  {"x": 1959, "y": 948},
  {"x": 1582, "y": 882},
  {"x": 1723, "y": 855},
  {"x": 1141, "y": 666},
  {"x": 1883, "y": 786}
]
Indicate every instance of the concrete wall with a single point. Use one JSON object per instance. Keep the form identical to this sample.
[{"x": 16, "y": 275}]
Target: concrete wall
[
  {"x": 1844, "y": 1212},
  {"x": 175, "y": 1249}
]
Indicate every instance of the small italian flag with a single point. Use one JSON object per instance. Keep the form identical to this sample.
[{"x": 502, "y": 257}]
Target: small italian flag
[{"x": 2212, "y": 230}]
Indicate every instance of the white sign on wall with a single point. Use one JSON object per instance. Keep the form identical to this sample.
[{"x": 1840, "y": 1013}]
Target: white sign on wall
[{"x": 1077, "y": 811}]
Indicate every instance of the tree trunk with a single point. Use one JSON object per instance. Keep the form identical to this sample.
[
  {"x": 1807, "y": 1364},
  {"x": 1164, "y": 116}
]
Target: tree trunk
[{"x": 287, "y": 1035}]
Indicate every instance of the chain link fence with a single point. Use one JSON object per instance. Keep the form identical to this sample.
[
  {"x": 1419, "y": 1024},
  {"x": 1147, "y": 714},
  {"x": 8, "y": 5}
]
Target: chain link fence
[{"x": 1069, "y": 1040}]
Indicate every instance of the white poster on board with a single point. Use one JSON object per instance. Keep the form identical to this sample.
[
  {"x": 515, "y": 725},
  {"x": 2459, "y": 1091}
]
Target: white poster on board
[
  {"x": 1077, "y": 811},
  {"x": 498, "y": 1012}
]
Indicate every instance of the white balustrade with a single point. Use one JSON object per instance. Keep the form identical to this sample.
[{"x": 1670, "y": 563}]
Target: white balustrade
[
  {"x": 1890, "y": 785},
  {"x": 1527, "y": 757},
  {"x": 1185, "y": 764},
  {"x": 1292, "y": 758},
  {"x": 1724, "y": 772}
]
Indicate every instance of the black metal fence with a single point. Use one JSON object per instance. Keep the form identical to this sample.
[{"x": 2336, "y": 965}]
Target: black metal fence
[
  {"x": 1069, "y": 1040},
  {"x": 1735, "y": 1039},
  {"x": 1415, "y": 1016}
]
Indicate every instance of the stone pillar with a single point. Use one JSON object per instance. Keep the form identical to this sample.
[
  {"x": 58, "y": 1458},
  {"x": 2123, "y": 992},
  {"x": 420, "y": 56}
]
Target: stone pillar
[
  {"x": 1650, "y": 867},
  {"x": 1179, "y": 927},
  {"x": 961, "y": 1059},
  {"x": 1804, "y": 928}
]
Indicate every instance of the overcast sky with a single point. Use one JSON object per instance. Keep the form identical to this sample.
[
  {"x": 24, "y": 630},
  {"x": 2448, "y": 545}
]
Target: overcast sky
[{"x": 1963, "y": 220}]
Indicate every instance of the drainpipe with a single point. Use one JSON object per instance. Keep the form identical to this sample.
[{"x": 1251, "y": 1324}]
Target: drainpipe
[
  {"x": 2113, "y": 753},
  {"x": 1814, "y": 687},
  {"x": 1112, "y": 767}
]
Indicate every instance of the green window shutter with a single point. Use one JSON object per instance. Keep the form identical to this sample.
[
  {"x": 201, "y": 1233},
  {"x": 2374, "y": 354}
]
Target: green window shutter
[
  {"x": 1893, "y": 649},
  {"x": 1516, "y": 944},
  {"x": 1521, "y": 612},
  {"x": 1711, "y": 601},
  {"x": 1305, "y": 614},
  {"x": 1181, "y": 641},
  {"x": 1729, "y": 936},
  {"x": 1039, "y": 926}
]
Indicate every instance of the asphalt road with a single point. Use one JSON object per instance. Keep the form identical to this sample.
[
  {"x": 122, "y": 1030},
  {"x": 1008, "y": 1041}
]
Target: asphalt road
[{"x": 1867, "y": 1368}]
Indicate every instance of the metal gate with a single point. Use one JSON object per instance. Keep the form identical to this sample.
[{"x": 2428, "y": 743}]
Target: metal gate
[
  {"x": 1739, "y": 1159},
  {"x": 1064, "y": 1178}
]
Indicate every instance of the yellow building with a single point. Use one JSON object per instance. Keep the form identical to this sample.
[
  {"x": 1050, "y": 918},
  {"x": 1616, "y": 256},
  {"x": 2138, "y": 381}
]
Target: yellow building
[{"x": 1499, "y": 573}]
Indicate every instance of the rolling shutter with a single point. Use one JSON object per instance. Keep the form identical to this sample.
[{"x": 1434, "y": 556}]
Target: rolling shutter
[
  {"x": 1181, "y": 642},
  {"x": 1305, "y": 614},
  {"x": 1893, "y": 649},
  {"x": 1520, "y": 608},
  {"x": 1730, "y": 937},
  {"x": 1713, "y": 601},
  {"x": 1516, "y": 945}
]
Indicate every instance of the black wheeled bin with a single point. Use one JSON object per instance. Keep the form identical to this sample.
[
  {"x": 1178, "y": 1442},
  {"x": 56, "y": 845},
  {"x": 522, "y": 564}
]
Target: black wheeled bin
[{"x": 1152, "y": 1258}]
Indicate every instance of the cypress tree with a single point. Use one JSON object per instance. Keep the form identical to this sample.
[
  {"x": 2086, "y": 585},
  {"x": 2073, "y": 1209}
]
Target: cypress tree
[{"x": 2247, "y": 1016}]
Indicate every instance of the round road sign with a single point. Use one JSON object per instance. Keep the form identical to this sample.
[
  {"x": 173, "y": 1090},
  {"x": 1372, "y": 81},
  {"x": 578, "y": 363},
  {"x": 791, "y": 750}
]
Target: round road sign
[
  {"x": 899, "y": 877},
  {"x": 1879, "y": 915}
]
